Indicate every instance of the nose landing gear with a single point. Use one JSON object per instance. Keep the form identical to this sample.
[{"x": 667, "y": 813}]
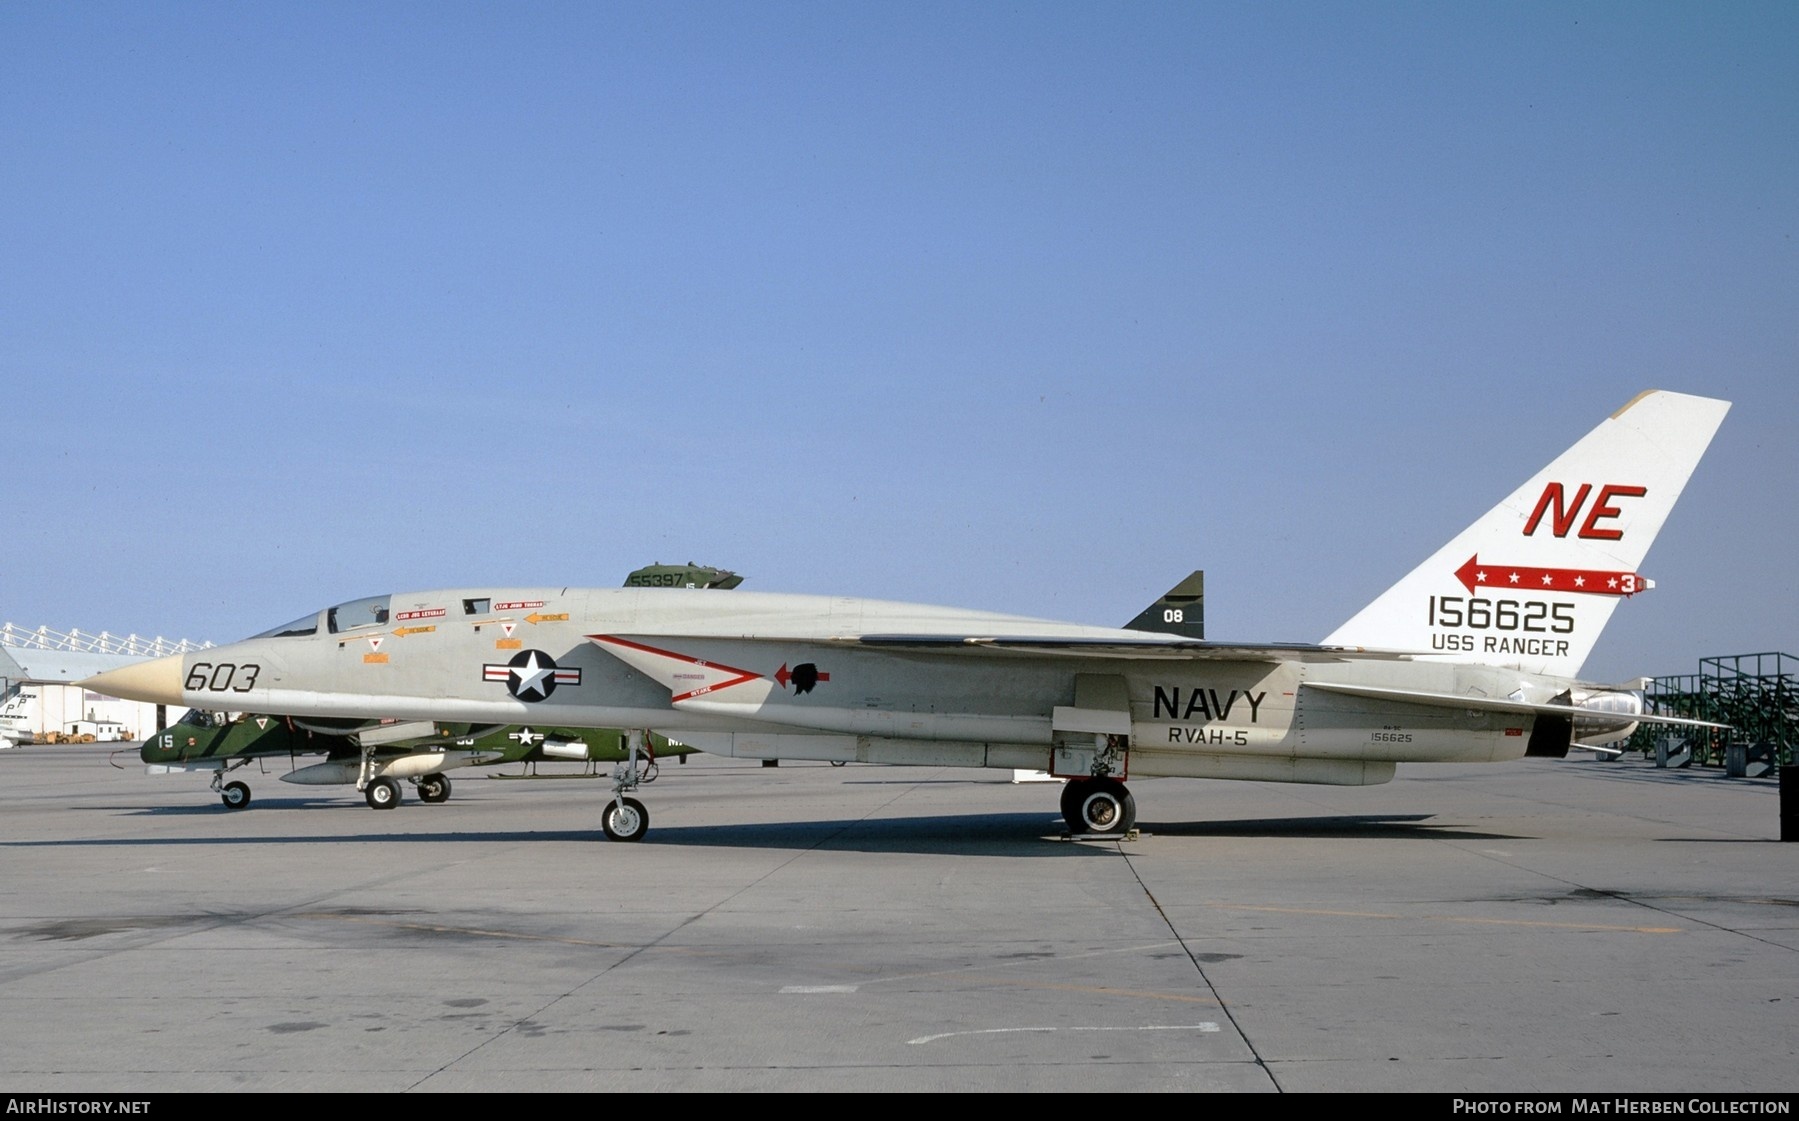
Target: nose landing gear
[{"x": 625, "y": 819}]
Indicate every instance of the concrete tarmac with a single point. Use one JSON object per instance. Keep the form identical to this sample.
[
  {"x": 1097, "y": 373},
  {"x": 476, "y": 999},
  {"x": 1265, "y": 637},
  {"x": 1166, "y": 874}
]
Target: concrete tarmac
[{"x": 1570, "y": 926}]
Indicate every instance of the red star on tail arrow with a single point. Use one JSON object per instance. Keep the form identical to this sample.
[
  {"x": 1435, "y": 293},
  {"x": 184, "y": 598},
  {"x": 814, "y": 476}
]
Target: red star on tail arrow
[{"x": 1475, "y": 575}]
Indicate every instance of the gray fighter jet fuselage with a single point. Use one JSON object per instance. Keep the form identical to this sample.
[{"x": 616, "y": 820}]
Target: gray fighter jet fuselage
[{"x": 1470, "y": 658}]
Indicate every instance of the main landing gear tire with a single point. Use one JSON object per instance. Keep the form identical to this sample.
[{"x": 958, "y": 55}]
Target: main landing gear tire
[
  {"x": 1099, "y": 806},
  {"x": 1071, "y": 792},
  {"x": 235, "y": 795},
  {"x": 434, "y": 789},
  {"x": 382, "y": 794},
  {"x": 625, "y": 819}
]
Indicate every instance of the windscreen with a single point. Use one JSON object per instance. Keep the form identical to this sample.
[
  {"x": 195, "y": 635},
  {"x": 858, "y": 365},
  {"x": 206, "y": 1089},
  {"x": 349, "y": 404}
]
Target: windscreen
[
  {"x": 305, "y": 624},
  {"x": 357, "y": 613}
]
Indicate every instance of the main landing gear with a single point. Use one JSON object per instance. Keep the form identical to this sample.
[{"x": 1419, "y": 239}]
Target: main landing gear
[
  {"x": 1098, "y": 807},
  {"x": 625, "y": 819},
  {"x": 382, "y": 793}
]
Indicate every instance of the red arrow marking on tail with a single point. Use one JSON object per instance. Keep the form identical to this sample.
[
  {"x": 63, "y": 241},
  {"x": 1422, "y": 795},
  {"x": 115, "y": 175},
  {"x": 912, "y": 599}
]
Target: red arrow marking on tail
[{"x": 1519, "y": 578}]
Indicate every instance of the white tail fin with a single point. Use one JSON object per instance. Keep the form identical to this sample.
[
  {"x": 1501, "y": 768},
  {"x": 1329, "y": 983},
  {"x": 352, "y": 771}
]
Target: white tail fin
[{"x": 1531, "y": 584}]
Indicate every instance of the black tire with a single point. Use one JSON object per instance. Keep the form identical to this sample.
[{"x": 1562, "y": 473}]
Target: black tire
[
  {"x": 1101, "y": 807},
  {"x": 382, "y": 794},
  {"x": 625, "y": 819},
  {"x": 1071, "y": 808},
  {"x": 235, "y": 795},
  {"x": 434, "y": 789}
]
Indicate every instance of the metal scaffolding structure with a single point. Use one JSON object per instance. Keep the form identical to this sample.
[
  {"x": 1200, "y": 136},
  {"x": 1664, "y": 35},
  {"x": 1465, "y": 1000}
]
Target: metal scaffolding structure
[
  {"x": 1757, "y": 695},
  {"x": 43, "y": 638}
]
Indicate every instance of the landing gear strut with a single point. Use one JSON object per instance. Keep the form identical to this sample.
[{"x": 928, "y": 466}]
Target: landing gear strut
[
  {"x": 382, "y": 793},
  {"x": 1095, "y": 803},
  {"x": 625, "y": 819}
]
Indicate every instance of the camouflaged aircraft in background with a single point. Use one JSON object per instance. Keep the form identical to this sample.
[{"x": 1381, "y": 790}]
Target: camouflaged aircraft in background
[
  {"x": 378, "y": 757},
  {"x": 1472, "y": 657},
  {"x": 375, "y": 756},
  {"x": 687, "y": 575}
]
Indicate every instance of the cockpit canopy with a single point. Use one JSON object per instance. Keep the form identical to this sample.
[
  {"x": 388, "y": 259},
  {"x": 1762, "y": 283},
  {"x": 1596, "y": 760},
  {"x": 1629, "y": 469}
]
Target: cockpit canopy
[{"x": 366, "y": 612}]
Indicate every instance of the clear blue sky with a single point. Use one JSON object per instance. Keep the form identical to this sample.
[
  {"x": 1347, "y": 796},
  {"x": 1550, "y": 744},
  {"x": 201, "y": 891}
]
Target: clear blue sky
[{"x": 1027, "y": 307}]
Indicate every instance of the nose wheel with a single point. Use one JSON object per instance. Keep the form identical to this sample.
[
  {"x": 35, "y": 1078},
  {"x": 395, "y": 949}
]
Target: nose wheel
[
  {"x": 625, "y": 819},
  {"x": 235, "y": 795}
]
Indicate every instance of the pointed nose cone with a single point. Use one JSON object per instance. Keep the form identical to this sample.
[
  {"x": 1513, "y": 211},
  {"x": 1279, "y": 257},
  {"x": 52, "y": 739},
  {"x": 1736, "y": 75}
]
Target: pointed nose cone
[{"x": 157, "y": 681}]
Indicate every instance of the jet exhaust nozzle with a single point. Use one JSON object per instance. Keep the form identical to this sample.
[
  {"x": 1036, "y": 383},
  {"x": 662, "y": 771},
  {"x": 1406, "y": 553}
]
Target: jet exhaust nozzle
[{"x": 1607, "y": 716}]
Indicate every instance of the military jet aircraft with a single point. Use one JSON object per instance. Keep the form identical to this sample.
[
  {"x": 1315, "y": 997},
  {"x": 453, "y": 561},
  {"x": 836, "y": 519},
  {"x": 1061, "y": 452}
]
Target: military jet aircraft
[
  {"x": 375, "y": 756},
  {"x": 1471, "y": 657}
]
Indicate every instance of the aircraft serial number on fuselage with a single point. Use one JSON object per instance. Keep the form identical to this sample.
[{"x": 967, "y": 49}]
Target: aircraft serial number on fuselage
[
  {"x": 653, "y": 580},
  {"x": 225, "y": 677}
]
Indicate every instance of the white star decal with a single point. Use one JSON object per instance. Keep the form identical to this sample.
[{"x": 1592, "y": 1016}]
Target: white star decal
[
  {"x": 1514, "y": 577},
  {"x": 1548, "y": 581},
  {"x": 526, "y": 737},
  {"x": 1580, "y": 581},
  {"x": 531, "y": 677},
  {"x": 1480, "y": 577},
  {"x": 1612, "y": 583}
]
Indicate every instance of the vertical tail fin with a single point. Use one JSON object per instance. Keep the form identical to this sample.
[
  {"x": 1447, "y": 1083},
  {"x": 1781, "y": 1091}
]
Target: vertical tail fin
[{"x": 1533, "y": 582}]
